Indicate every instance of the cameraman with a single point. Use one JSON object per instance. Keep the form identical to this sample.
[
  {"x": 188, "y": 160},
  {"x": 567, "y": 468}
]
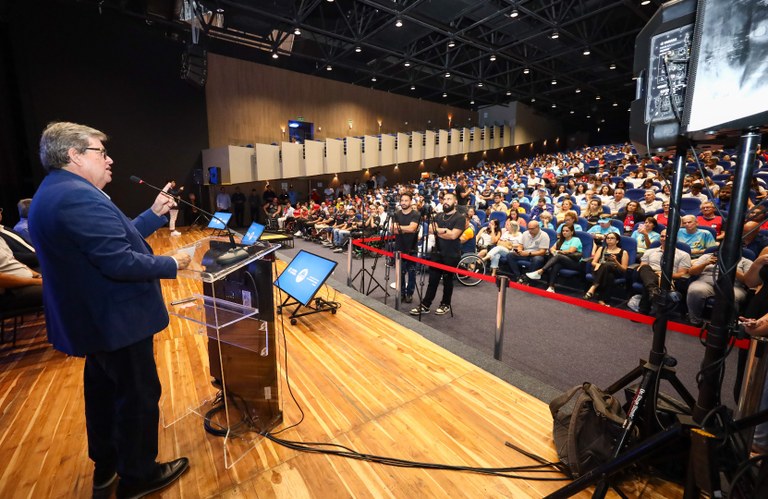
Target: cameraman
[{"x": 405, "y": 227}]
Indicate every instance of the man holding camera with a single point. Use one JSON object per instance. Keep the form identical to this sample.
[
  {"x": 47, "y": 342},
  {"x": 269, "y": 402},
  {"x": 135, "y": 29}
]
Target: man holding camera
[{"x": 405, "y": 227}]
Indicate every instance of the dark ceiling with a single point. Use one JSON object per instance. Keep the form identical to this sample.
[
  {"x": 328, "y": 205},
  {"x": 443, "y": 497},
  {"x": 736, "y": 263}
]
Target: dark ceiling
[{"x": 466, "y": 53}]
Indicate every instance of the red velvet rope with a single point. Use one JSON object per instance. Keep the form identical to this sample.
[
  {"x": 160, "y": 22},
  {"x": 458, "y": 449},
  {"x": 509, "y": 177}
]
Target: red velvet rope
[{"x": 623, "y": 314}]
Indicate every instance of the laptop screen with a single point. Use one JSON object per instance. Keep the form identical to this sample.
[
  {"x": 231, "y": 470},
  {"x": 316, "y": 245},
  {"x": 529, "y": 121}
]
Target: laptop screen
[
  {"x": 220, "y": 220},
  {"x": 253, "y": 234}
]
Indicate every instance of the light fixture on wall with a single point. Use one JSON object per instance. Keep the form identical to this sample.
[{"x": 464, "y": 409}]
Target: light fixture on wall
[
  {"x": 282, "y": 129},
  {"x": 379, "y": 121},
  {"x": 218, "y": 18},
  {"x": 297, "y": 31}
]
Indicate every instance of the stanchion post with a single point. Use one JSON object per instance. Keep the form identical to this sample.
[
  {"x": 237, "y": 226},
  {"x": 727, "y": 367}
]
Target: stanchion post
[
  {"x": 350, "y": 250},
  {"x": 498, "y": 343},
  {"x": 754, "y": 383},
  {"x": 398, "y": 278}
]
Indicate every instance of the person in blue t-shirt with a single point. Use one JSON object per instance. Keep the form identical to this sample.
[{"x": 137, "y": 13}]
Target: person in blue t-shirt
[
  {"x": 699, "y": 240},
  {"x": 566, "y": 254}
]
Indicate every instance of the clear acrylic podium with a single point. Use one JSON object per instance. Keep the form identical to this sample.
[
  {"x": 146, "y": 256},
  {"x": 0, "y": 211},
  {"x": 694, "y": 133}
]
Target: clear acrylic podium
[{"x": 232, "y": 303}]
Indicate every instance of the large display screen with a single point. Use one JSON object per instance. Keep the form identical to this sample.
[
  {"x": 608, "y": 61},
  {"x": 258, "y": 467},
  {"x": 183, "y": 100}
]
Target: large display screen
[
  {"x": 253, "y": 234},
  {"x": 304, "y": 276},
  {"x": 220, "y": 220}
]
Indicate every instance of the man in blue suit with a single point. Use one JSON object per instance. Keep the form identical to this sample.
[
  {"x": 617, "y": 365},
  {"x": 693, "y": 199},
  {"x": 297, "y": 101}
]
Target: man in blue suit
[{"x": 103, "y": 302}]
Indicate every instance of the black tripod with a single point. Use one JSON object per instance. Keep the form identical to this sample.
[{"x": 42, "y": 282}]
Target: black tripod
[
  {"x": 706, "y": 458},
  {"x": 373, "y": 283}
]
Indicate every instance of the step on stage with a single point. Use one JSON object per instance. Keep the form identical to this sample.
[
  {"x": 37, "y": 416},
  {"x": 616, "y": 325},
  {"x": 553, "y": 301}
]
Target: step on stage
[{"x": 363, "y": 381}]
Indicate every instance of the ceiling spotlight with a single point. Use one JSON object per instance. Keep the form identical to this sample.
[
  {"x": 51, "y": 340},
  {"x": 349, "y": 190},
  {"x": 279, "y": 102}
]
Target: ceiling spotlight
[
  {"x": 329, "y": 68},
  {"x": 445, "y": 94},
  {"x": 526, "y": 71},
  {"x": 597, "y": 97},
  {"x": 297, "y": 31},
  {"x": 413, "y": 87},
  {"x": 554, "y": 105},
  {"x": 447, "y": 74},
  {"x": 578, "y": 90},
  {"x": 451, "y": 43},
  {"x": 358, "y": 49},
  {"x": 589, "y": 116},
  {"x": 407, "y": 64},
  {"x": 509, "y": 92},
  {"x": 555, "y": 35},
  {"x": 514, "y": 13},
  {"x": 274, "y": 55},
  {"x": 615, "y": 104},
  {"x": 612, "y": 66},
  {"x": 533, "y": 99},
  {"x": 472, "y": 102},
  {"x": 373, "y": 78},
  {"x": 399, "y": 23},
  {"x": 645, "y": 2},
  {"x": 493, "y": 57},
  {"x": 572, "y": 111},
  {"x": 554, "y": 82},
  {"x": 586, "y": 51},
  {"x": 479, "y": 83}
]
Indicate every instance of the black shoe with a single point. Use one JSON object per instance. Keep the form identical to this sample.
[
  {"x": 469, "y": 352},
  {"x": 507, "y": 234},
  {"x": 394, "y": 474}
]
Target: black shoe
[
  {"x": 103, "y": 478},
  {"x": 166, "y": 474},
  {"x": 408, "y": 298}
]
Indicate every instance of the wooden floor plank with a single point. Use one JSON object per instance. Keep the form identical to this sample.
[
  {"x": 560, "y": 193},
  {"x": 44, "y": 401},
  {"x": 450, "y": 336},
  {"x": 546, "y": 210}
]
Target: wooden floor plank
[{"x": 362, "y": 380}]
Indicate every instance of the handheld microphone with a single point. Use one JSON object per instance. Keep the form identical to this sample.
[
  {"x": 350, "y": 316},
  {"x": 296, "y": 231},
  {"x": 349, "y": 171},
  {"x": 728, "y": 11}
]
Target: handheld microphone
[{"x": 231, "y": 256}]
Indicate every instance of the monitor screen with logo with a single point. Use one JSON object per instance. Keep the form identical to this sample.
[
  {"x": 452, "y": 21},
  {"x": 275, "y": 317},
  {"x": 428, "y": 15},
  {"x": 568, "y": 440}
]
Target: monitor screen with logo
[
  {"x": 253, "y": 234},
  {"x": 220, "y": 220},
  {"x": 304, "y": 276}
]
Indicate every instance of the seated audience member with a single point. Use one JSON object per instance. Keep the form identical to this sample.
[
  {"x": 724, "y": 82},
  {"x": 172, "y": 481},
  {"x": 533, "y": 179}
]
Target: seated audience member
[
  {"x": 515, "y": 215},
  {"x": 570, "y": 218},
  {"x": 21, "y": 249},
  {"x": 514, "y": 206},
  {"x": 564, "y": 207},
  {"x": 695, "y": 191},
  {"x": 22, "y": 227},
  {"x": 20, "y": 285},
  {"x": 650, "y": 204},
  {"x": 546, "y": 220},
  {"x": 603, "y": 228},
  {"x": 709, "y": 218},
  {"x": 723, "y": 200},
  {"x": 645, "y": 235},
  {"x": 286, "y": 215},
  {"x": 541, "y": 194},
  {"x": 663, "y": 217},
  {"x": 511, "y": 239},
  {"x": 753, "y": 238},
  {"x": 472, "y": 217},
  {"x": 631, "y": 215},
  {"x": 534, "y": 246},
  {"x": 488, "y": 237},
  {"x": 699, "y": 240},
  {"x": 541, "y": 207},
  {"x": 649, "y": 271},
  {"x": 605, "y": 193},
  {"x": 565, "y": 254},
  {"x": 593, "y": 212},
  {"x": 704, "y": 286},
  {"x": 617, "y": 202},
  {"x": 486, "y": 196},
  {"x": 609, "y": 261},
  {"x": 499, "y": 204},
  {"x": 341, "y": 232}
]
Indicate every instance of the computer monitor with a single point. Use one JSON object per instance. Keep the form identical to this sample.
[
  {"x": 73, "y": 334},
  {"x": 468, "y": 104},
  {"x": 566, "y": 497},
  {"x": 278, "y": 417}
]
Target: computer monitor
[
  {"x": 253, "y": 234},
  {"x": 304, "y": 276},
  {"x": 220, "y": 220}
]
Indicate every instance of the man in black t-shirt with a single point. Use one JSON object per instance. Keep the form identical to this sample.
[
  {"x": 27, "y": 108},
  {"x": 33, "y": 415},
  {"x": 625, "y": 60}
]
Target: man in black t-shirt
[
  {"x": 448, "y": 227},
  {"x": 462, "y": 195},
  {"x": 405, "y": 227}
]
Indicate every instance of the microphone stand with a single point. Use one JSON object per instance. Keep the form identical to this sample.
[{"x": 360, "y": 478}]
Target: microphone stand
[{"x": 231, "y": 256}]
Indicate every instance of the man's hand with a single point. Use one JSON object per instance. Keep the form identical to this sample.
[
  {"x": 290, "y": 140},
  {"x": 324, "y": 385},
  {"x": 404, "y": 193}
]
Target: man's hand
[
  {"x": 182, "y": 259},
  {"x": 163, "y": 202}
]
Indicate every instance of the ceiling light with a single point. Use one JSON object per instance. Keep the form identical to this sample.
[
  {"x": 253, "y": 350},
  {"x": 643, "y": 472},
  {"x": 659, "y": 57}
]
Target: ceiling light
[
  {"x": 514, "y": 13},
  {"x": 578, "y": 90},
  {"x": 445, "y": 94},
  {"x": 586, "y": 51},
  {"x": 373, "y": 78},
  {"x": 509, "y": 92},
  {"x": 479, "y": 83},
  {"x": 572, "y": 111},
  {"x": 554, "y": 105},
  {"x": 329, "y": 68},
  {"x": 612, "y": 66},
  {"x": 447, "y": 74},
  {"x": 645, "y": 2},
  {"x": 274, "y": 55},
  {"x": 358, "y": 49},
  {"x": 597, "y": 97},
  {"x": 526, "y": 71},
  {"x": 555, "y": 35},
  {"x": 451, "y": 43},
  {"x": 493, "y": 57},
  {"x": 407, "y": 64},
  {"x": 297, "y": 31},
  {"x": 399, "y": 23},
  {"x": 615, "y": 104},
  {"x": 472, "y": 102},
  {"x": 533, "y": 99},
  {"x": 413, "y": 87},
  {"x": 589, "y": 116},
  {"x": 554, "y": 82}
]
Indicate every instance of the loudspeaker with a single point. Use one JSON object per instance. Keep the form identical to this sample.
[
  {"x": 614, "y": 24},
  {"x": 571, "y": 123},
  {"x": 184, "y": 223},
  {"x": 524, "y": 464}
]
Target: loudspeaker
[
  {"x": 194, "y": 65},
  {"x": 214, "y": 175},
  {"x": 197, "y": 176}
]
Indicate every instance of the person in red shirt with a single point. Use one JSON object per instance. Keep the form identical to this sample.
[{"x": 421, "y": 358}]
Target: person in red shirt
[
  {"x": 709, "y": 218},
  {"x": 663, "y": 217}
]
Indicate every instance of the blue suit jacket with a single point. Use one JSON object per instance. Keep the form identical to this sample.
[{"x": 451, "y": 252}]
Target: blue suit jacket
[{"x": 100, "y": 279}]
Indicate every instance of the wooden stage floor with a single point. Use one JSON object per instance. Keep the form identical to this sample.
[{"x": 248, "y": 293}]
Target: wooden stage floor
[{"x": 362, "y": 380}]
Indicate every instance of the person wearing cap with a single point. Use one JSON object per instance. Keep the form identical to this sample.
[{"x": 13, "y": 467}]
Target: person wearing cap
[
  {"x": 521, "y": 196},
  {"x": 603, "y": 227},
  {"x": 695, "y": 192}
]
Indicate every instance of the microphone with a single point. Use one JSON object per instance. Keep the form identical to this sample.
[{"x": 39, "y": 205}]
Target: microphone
[{"x": 231, "y": 256}]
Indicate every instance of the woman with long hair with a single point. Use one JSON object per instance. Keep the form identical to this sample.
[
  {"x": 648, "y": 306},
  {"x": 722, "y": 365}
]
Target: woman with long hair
[
  {"x": 566, "y": 254},
  {"x": 593, "y": 212},
  {"x": 579, "y": 193},
  {"x": 569, "y": 220},
  {"x": 564, "y": 207},
  {"x": 488, "y": 237},
  {"x": 605, "y": 193},
  {"x": 631, "y": 215},
  {"x": 510, "y": 240},
  {"x": 515, "y": 215},
  {"x": 609, "y": 261}
]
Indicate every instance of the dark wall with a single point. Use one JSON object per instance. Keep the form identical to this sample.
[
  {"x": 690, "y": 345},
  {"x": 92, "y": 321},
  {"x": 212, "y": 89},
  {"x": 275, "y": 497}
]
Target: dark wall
[{"x": 116, "y": 74}]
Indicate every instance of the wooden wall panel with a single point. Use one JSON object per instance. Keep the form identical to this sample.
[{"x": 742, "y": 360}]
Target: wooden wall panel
[
  {"x": 387, "y": 149},
  {"x": 248, "y": 103},
  {"x": 314, "y": 156}
]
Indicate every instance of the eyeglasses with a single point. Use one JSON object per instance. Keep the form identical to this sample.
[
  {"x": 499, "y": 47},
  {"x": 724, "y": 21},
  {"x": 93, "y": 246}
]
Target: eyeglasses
[{"x": 103, "y": 151}]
